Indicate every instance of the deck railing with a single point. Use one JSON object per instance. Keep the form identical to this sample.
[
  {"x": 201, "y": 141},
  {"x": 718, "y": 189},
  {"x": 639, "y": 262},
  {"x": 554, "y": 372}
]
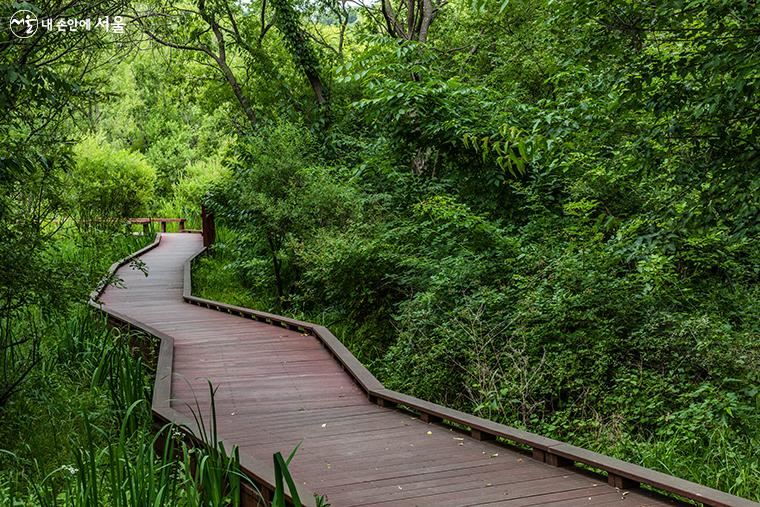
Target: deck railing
[
  {"x": 259, "y": 472},
  {"x": 619, "y": 473},
  {"x": 145, "y": 222}
]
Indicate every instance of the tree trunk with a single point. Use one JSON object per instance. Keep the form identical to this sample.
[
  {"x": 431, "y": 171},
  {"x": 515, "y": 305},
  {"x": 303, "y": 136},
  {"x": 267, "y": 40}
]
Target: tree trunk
[
  {"x": 419, "y": 17},
  {"x": 425, "y": 20},
  {"x": 237, "y": 90},
  {"x": 302, "y": 52},
  {"x": 316, "y": 84},
  {"x": 277, "y": 267}
]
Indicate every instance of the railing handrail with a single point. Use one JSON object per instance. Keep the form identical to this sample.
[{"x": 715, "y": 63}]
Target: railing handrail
[
  {"x": 146, "y": 221},
  {"x": 554, "y": 452},
  {"x": 261, "y": 473},
  {"x": 620, "y": 474},
  {"x": 155, "y": 219}
]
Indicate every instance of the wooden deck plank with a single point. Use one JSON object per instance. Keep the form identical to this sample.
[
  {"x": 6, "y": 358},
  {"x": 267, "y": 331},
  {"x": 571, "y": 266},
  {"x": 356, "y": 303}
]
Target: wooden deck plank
[{"x": 278, "y": 387}]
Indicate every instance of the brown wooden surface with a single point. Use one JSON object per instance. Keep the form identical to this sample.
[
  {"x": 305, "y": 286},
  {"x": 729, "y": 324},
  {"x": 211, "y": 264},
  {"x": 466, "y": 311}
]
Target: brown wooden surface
[
  {"x": 149, "y": 220},
  {"x": 278, "y": 387},
  {"x": 209, "y": 229},
  {"x": 163, "y": 221}
]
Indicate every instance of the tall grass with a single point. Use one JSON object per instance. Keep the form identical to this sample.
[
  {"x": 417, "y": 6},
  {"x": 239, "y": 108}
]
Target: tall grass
[
  {"x": 80, "y": 432},
  {"x": 215, "y": 473},
  {"x": 115, "y": 457},
  {"x": 123, "y": 375},
  {"x": 156, "y": 470}
]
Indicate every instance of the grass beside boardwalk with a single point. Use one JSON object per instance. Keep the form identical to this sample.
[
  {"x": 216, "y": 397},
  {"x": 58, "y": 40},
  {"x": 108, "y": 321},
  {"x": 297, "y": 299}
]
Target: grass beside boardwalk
[
  {"x": 44, "y": 421},
  {"x": 78, "y": 431},
  {"x": 87, "y": 436}
]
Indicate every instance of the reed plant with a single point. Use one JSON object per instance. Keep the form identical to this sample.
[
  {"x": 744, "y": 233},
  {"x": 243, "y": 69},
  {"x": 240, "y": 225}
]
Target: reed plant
[{"x": 133, "y": 465}]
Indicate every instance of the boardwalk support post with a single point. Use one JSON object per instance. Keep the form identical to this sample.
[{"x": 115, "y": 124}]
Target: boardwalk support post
[
  {"x": 386, "y": 403},
  {"x": 558, "y": 461},
  {"x": 551, "y": 459},
  {"x": 429, "y": 418},
  {"x": 481, "y": 435},
  {"x": 620, "y": 482},
  {"x": 209, "y": 228}
]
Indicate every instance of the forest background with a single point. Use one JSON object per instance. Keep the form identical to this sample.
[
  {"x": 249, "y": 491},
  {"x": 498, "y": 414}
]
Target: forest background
[{"x": 542, "y": 212}]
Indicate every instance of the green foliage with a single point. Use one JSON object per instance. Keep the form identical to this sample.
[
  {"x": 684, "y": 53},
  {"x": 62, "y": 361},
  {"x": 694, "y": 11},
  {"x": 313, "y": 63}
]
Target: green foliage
[
  {"x": 547, "y": 213},
  {"x": 288, "y": 22},
  {"x": 198, "y": 180},
  {"x": 109, "y": 184},
  {"x": 135, "y": 468},
  {"x": 56, "y": 274},
  {"x": 275, "y": 197},
  {"x": 282, "y": 479},
  {"x": 555, "y": 224}
]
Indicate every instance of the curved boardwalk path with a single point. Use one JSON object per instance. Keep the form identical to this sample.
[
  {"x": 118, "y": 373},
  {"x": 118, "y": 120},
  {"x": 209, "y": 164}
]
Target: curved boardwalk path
[{"x": 278, "y": 387}]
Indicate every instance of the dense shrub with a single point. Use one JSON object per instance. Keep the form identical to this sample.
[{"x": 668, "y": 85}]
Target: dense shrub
[
  {"x": 557, "y": 225},
  {"x": 278, "y": 196},
  {"x": 109, "y": 184}
]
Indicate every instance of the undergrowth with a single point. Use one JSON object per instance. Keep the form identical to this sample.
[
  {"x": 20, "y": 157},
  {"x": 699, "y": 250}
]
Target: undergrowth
[
  {"x": 713, "y": 440},
  {"x": 79, "y": 431}
]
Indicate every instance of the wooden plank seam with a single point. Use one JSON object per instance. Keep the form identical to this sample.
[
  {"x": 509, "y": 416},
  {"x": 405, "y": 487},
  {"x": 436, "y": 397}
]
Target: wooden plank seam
[{"x": 620, "y": 474}]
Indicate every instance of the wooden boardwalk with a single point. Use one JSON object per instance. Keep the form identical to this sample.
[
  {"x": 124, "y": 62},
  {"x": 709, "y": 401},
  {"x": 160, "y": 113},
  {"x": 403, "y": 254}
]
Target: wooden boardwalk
[{"x": 278, "y": 387}]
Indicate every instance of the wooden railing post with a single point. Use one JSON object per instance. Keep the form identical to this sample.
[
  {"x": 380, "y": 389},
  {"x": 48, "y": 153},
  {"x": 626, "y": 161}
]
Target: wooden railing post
[{"x": 209, "y": 229}]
